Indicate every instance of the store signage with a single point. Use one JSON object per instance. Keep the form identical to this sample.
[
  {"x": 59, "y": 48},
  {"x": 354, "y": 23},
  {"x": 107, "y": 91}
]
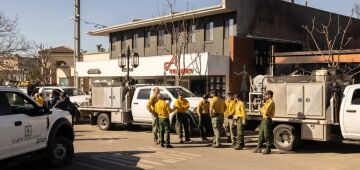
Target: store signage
[
  {"x": 182, "y": 71},
  {"x": 94, "y": 71}
]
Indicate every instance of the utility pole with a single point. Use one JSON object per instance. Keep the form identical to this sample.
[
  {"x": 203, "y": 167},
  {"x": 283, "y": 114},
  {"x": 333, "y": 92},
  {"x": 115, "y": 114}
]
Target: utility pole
[{"x": 76, "y": 40}]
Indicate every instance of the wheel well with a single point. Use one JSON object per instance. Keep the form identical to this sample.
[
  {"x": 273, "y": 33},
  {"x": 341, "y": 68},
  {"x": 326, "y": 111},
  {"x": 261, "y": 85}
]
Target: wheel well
[{"x": 65, "y": 131}]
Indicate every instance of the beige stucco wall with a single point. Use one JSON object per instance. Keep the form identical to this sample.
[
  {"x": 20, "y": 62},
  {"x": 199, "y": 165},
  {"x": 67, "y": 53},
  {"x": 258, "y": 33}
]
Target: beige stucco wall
[{"x": 96, "y": 56}]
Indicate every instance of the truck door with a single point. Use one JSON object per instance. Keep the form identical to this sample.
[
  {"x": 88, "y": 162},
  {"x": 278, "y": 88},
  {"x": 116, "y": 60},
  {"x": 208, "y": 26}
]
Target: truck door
[
  {"x": 139, "y": 111},
  {"x": 29, "y": 123},
  {"x": 6, "y": 129},
  {"x": 350, "y": 114}
]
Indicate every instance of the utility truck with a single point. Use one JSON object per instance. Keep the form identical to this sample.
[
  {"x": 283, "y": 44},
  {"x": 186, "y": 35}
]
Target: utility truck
[
  {"x": 117, "y": 104},
  {"x": 28, "y": 129},
  {"x": 318, "y": 107}
]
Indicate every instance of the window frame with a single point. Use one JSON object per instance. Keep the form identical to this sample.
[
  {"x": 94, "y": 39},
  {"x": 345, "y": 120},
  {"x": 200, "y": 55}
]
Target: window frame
[
  {"x": 229, "y": 30},
  {"x": 355, "y": 92},
  {"x": 123, "y": 42},
  {"x": 113, "y": 43},
  {"x": 161, "y": 38},
  {"x": 135, "y": 41},
  {"x": 146, "y": 98},
  {"x": 209, "y": 31},
  {"x": 192, "y": 33},
  {"x": 147, "y": 39}
]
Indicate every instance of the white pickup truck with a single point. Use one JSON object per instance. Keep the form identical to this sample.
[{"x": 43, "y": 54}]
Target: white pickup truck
[
  {"x": 28, "y": 129},
  {"x": 114, "y": 105}
]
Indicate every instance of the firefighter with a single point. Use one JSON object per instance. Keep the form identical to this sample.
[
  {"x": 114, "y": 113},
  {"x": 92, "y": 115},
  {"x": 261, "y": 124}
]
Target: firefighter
[
  {"x": 240, "y": 119},
  {"x": 229, "y": 124},
  {"x": 204, "y": 118},
  {"x": 182, "y": 106},
  {"x": 151, "y": 108},
  {"x": 39, "y": 99},
  {"x": 265, "y": 134},
  {"x": 163, "y": 110},
  {"x": 217, "y": 109}
]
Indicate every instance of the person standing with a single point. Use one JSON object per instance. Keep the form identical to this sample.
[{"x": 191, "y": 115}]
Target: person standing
[
  {"x": 39, "y": 99},
  {"x": 265, "y": 133},
  {"x": 67, "y": 105},
  {"x": 229, "y": 124},
  {"x": 182, "y": 106},
  {"x": 151, "y": 108},
  {"x": 163, "y": 110},
  {"x": 203, "y": 110},
  {"x": 217, "y": 109},
  {"x": 53, "y": 99},
  {"x": 240, "y": 119}
]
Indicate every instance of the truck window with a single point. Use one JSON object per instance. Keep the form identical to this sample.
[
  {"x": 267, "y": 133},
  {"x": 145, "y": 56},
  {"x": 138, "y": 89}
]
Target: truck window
[
  {"x": 144, "y": 94},
  {"x": 356, "y": 97},
  {"x": 19, "y": 103}
]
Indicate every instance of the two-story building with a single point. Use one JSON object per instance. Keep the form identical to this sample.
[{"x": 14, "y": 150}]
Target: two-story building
[{"x": 220, "y": 42}]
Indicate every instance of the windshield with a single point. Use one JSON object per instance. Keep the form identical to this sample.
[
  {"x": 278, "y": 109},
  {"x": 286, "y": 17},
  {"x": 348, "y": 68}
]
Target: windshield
[
  {"x": 174, "y": 92},
  {"x": 73, "y": 92}
]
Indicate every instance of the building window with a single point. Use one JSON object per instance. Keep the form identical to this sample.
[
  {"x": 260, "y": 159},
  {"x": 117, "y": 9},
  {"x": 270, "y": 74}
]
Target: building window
[
  {"x": 209, "y": 31},
  {"x": 63, "y": 82},
  {"x": 135, "y": 41},
  {"x": 123, "y": 42},
  {"x": 147, "y": 38},
  {"x": 192, "y": 37},
  {"x": 229, "y": 28},
  {"x": 113, "y": 43},
  {"x": 161, "y": 38}
]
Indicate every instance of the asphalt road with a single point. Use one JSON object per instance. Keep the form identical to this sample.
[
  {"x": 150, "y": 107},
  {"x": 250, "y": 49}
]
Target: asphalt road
[{"x": 124, "y": 148}]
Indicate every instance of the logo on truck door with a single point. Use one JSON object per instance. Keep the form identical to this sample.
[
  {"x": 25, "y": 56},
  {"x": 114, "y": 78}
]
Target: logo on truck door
[{"x": 28, "y": 130}]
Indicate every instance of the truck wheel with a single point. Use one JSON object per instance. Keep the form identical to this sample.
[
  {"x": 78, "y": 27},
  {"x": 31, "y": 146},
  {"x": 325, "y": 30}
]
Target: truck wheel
[
  {"x": 60, "y": 152},
  {"x": 104, "y": 121},
  {"x": 286, "y": 137}
]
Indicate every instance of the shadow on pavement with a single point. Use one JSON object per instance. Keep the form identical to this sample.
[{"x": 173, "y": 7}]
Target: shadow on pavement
[
  {"x": 81, "y": 139},
  {"x": 124, "y": 160}
]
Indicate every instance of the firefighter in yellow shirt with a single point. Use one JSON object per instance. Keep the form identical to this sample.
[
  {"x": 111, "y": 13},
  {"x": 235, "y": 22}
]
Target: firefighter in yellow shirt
[
  {"x": 204, "y": 117},
  {"x": 240, "y": 118},
  {"x": 229, "y": 124},
  {"x": 163, "y": 110},
  {"x": 39, "y": 99},
  {"x": 217, "y": 109},
  {"x": 151, "y": 108},
  {"x": 265, "y": 133},
  {"x": 182, "y": 106}
]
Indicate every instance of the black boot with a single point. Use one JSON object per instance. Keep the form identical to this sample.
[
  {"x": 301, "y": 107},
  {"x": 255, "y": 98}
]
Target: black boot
[
  {"x": 267, "y": 150},
  {"x": 257, "y": 149}
]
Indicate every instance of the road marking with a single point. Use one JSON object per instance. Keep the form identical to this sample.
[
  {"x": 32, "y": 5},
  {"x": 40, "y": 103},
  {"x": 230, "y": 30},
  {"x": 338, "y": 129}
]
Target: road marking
[{"x": 87, "y": 165}]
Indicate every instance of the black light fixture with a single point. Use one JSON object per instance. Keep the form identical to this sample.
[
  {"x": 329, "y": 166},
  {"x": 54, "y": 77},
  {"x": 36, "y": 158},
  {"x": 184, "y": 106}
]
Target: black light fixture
[
  {"x": 122, "y": 61},
  {"x": 135, "y": 60}
]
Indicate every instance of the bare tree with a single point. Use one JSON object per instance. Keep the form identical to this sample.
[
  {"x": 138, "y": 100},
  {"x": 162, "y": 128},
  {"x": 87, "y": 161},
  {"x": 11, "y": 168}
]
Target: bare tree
[
  {"x": 357, "y": 10},
  {"x": 335, "y": 42},
  {"x": 45, "y": 64},
  {"x": 182, "y": 31}
]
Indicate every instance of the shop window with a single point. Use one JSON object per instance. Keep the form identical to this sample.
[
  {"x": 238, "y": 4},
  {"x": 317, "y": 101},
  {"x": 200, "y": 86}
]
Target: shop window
[
  {"x": 147, "y": 39},
  {"x": 63, "y": 81},
  {"x": 229, "y": 28},
  {"x": 209, "y": 31},
  {"x": 123, "y": 42},
  {"x": 135, "y": 41},
  {"x": 161, "y": 38},
  {"x": 113, "y": 43},
  {"x": 192, "y": 37}
]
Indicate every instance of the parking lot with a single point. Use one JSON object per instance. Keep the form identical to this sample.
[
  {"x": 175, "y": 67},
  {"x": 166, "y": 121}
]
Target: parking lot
[{"x": 124, "y": 148}]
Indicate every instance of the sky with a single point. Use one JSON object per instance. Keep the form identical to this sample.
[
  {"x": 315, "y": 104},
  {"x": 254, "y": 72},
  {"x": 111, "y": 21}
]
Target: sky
[{"x": 49, "y": 21}]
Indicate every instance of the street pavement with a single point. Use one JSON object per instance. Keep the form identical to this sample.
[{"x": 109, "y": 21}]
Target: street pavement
[{"x": 124, "y": 148}]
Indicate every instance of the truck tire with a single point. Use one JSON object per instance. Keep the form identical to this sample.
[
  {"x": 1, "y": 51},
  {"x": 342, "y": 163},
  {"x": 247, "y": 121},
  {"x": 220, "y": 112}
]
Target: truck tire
[
  {"x": 286, "y": 137},
  {"x": 60, "y": 152},
  {"x": 104, "y": 121}
]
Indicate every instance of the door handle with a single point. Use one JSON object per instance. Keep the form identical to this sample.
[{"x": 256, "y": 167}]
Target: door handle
[
  {"x": 18, "y": 123},
  {"x": 351, "y": 111},
  {"x": 136, "y": 103}
]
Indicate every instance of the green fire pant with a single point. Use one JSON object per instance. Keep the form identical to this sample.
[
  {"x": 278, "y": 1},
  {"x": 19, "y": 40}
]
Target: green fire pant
[
  {"x": 155, "y": 127},
  {"x": 229, "y": 126},
  {"x": 204, "y": 123},
  {"x": 182, "y": 122},
  {"x": 240, "y": 132},
  {"x": 265, "y": 134},
  {"x": 217, "y": 122},
  {"x": 164, "y": 130}
]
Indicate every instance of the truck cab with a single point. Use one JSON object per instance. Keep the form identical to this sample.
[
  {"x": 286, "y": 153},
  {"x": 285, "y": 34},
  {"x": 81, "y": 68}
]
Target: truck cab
[
  {"x": 350, "y": 113},
  {"x": 27, "y": 128},
  {"x": 142, "y": 95}
]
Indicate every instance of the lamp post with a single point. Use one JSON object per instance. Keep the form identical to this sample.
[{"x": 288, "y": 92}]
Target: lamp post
[{"x": 124, "y": 62}]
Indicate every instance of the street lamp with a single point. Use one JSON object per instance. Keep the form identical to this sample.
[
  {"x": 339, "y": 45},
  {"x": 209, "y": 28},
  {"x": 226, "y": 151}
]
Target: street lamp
[{"x": 124, "y": 62}]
